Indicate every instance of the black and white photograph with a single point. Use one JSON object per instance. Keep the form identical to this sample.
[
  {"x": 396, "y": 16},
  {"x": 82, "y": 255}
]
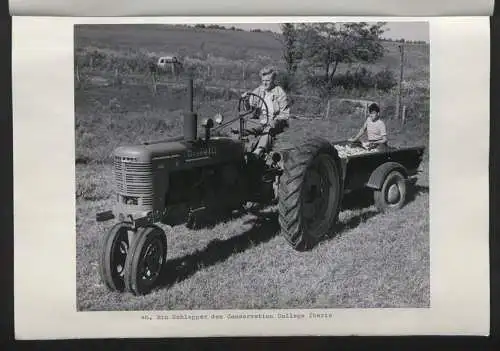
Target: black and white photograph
[{"x": 252, "y": 166}]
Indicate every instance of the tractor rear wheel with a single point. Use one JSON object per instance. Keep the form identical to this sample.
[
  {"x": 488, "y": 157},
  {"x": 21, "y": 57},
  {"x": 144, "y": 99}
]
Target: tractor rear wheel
[
  {"x": 113, "y": 254},
  {"x": 145, "y": 261},
  {"x": 309, "y": 193}
]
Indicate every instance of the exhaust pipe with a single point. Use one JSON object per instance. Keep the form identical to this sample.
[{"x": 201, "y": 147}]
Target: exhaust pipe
[{"x": 190, "y": 117}]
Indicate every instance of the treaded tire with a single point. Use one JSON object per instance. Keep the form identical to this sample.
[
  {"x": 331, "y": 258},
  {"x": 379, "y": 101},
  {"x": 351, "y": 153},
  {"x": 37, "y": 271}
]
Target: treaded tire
[
  {"x": 135, "y": 281},
  {"x": 382, "y": 197},
  {"x": 112, "y": 256},
  {"x": 294, "y": 187}
]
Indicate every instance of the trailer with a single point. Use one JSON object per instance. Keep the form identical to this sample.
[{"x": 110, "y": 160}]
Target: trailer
[{"x": 388, "y": 172}]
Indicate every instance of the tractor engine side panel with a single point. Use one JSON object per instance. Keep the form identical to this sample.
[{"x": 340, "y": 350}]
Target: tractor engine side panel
[
  {"x": 214, "y": 184},
  {"x": 201, "y": 178},
  {"x": 195, "y": 156}
]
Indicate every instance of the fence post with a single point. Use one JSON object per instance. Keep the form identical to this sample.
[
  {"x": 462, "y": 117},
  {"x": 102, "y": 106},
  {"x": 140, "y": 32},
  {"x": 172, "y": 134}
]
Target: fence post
[
  {"x": 244, "y": 76},
  {"x": 327, "y": 114},
  {"x": 153, "y": 80}
]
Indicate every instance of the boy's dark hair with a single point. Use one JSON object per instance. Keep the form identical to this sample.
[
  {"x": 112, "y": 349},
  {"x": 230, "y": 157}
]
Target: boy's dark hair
[{"x": 373, "y": 107}]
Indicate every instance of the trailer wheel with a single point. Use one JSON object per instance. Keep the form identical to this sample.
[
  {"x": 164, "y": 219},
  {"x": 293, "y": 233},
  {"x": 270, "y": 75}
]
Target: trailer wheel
[
  {"x": 113, "y": 254},
  {"x": 309, "y": 193},
  {"x": 392, "y": 195},
  {"x": 145, "y": 261}
]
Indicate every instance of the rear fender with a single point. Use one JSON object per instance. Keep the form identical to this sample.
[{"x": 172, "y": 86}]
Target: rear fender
[{"x": 380, "y": 173}]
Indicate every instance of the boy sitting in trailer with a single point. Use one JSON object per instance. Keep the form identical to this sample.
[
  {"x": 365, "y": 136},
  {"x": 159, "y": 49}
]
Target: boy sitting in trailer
[{"x": 375, "y": 130}]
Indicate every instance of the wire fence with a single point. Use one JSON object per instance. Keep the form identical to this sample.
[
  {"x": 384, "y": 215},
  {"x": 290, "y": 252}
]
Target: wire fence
[{"x": 310, "y": 106}]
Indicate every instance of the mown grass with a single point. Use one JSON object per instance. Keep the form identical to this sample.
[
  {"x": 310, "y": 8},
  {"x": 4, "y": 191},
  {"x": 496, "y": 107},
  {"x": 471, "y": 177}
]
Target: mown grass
[{"x": 373, "y": 260}]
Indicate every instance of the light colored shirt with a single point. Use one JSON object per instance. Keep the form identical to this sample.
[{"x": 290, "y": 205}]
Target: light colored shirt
[
  {"x": 375, "y": 131},
  {"x": 276, "y": 101}
]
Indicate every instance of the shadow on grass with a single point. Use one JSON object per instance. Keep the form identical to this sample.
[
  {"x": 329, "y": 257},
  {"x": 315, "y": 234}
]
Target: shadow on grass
[
  {"x": 207, "y": 219},
  {"x": 415, "y": 190},
  {"x": 357, "y": 200},
  {"x": 363, "y": 198},
  {"x": 265, "y": 227},
  {"x": 210, "y": 219}
]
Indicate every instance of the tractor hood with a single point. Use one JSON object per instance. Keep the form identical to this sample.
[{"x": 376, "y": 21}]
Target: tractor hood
[
  {"x": 217, "y": 148},
  {"x": 146, "y": 152}
]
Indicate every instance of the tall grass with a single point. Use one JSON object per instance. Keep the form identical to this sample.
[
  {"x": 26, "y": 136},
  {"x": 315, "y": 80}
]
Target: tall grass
[
  {"x": 105, "y": 122},
  {"x": 211, "y": 70}
]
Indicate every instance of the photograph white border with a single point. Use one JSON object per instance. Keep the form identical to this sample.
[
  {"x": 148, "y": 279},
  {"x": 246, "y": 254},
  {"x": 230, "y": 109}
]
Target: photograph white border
[{"x": 44, "y": 200}]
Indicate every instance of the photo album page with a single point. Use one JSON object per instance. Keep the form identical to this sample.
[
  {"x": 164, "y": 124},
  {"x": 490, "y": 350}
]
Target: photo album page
[{"x": 219, "y": 169}]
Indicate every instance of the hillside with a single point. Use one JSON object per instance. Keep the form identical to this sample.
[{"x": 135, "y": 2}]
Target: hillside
[
  {"x": 157, "y": 40},
  {"x": 184, "y": 41}
]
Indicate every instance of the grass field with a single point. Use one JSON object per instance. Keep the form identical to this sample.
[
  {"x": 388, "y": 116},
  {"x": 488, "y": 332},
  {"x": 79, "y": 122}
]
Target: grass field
[{"x": 374, "y": 260}]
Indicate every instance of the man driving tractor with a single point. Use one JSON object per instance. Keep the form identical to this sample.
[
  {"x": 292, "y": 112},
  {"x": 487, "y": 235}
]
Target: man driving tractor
[{"x": 278, "y": 109}]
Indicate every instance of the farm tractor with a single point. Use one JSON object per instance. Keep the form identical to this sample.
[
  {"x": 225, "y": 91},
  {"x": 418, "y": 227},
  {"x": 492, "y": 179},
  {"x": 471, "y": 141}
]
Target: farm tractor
[{"x": 174, "y": 181}]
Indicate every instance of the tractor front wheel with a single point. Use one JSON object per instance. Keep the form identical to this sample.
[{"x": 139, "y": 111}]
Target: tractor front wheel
[
  {"x": 309, "y": 193},
  {"x": 113, "y": 254},
  {"x": 145, "y": 261}
]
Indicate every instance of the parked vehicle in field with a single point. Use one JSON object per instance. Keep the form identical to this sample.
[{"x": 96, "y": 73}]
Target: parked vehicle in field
[
  {"x": 164, "y": 61},
  {"x": 171, "y": 181}
]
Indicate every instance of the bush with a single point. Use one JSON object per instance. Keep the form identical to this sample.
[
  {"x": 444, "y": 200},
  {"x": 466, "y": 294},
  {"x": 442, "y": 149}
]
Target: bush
[
  {"x": 385, "y": 80},
  {"x": 287, "y": 81},
  {"x": 360, "y": 80}
]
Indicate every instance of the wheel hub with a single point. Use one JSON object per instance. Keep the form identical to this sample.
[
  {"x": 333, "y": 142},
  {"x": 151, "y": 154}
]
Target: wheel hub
[
  {"x": 121, "y": 256},
  {"x": 393, "y": 194},
  {"x": 317, "y": 191},
  {"x": 313, "y": 199},
  {"x": 153, "y": 260}
]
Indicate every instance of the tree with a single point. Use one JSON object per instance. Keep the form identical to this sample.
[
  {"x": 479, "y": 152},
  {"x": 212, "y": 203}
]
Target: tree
[
  {"x": 328, "y": 44},
  {"x": 291, "y": 50}
]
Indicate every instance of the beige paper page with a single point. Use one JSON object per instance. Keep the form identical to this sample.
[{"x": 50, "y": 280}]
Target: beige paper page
[
  {"x": 44, "y": 194},
  {"x": 254, "y": 8}
]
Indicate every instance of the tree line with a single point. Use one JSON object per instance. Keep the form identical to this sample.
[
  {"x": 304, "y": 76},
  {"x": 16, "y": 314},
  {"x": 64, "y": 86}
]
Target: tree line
[{"x": 313, "y": 52}]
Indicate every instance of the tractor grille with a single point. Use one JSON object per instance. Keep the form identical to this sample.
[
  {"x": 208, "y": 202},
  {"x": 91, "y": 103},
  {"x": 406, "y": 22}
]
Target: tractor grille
[{"x": 134, "y": 179}]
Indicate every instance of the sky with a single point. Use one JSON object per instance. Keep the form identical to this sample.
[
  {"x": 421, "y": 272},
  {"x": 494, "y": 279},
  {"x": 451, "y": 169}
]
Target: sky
[{"x": 395, "y": 30}]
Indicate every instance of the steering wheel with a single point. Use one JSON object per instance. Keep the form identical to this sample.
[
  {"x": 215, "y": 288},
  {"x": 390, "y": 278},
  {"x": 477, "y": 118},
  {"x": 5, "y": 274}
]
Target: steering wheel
[
  {"x": 247, "y": 108},
  {"x": 248, "y": 112}
]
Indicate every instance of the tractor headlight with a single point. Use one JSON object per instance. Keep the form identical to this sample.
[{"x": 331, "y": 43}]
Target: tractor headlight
[{"x": 219, "y": 118}]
